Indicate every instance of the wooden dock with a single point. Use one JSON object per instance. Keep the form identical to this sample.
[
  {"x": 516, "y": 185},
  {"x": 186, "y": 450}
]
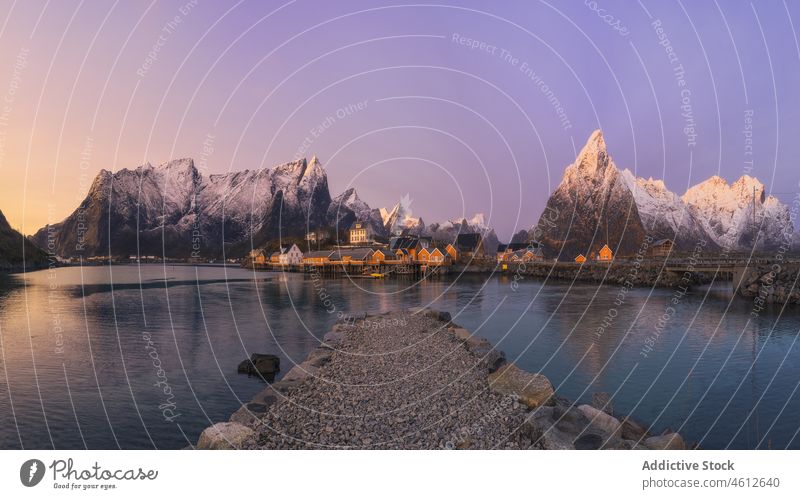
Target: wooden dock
[{"x": 370, "y": 269}]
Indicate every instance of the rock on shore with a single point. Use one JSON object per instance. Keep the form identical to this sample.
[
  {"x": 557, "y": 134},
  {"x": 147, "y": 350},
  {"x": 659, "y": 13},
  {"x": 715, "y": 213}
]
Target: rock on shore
[{"x": 415, "y": 380}]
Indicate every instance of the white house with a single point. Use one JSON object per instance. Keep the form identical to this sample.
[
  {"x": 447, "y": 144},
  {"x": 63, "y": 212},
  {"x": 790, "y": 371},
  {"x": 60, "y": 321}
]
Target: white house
[{"x": 291, "y": 256}]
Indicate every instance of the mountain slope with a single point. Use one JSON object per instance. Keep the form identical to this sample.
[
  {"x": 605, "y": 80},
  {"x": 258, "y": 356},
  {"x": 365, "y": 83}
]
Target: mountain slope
[
  {"x": 596, "y": 202},
  {"x": 592, "y": 206},
  {"x": 733, "y": 215},
  {"x": 665, "y": 215},
  {"x": 348, "y": 208},
  {"x": 172, "y": 210},
  {"x": 16, "y": 251}
]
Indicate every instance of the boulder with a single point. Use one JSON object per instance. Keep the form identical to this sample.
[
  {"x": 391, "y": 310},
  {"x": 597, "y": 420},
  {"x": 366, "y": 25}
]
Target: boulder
[
  {"x": 248, "y": 413},
  {"x": 262, "y": 364},
  {"x": 631, "y": 430},
  {"x": 569, "y": 419},
  {"x": 332, "y": 338},
  {"x": 300, "y": 372},
  {"x": 532, "y": 390},
  {"x": 602, "y": 401},
  {"x": 222, "y": 436},
  {"x": 599, "y": 419},
  {"x": 257, "y": 407},
  {"x": 555, "y": 439},
  {"x": 623, "y": 444},
  {"x": 589, "y": 441},
  {"x": 319, "y": 357},
  {"x": 490, "y": 358},
  {"x": 438, "y": 315},
  {"x": 670, "y": 441}
]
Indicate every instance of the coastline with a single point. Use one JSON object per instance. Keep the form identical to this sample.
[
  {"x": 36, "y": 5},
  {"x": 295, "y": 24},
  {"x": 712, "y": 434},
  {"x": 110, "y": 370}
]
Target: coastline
[{"x": 416, "y": 380}]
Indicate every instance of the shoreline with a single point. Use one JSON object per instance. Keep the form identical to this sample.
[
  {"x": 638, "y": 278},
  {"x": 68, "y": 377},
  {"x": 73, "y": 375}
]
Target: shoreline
[{"x": 416, "y": 380}]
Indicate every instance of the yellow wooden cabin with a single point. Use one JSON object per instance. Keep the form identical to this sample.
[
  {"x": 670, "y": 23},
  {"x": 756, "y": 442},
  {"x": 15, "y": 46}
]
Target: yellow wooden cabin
[
  {"x": 258, "y": 257},
  {"x": 317, "y": 257},
  {"x": 402, "y": 255},
  {"x": 432, "y": 255},
  {"x": 580, "y": 259},
  {"x": 452, "y": 251},
  {"x": 605, "y": 254},
  {"x": 378, "y": 256}
]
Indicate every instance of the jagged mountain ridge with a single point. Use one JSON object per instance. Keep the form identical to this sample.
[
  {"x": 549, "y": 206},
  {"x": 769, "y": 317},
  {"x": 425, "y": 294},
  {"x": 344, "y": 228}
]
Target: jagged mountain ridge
[
  {"x": 591, "y": 206},
  {"x": 740, "y": 216},
  {"x": 400, "y": 220},
  {"x": 172, "y": 210},
  {"x": 596, "y": 203},
  {"x": 348, "y": 208}
]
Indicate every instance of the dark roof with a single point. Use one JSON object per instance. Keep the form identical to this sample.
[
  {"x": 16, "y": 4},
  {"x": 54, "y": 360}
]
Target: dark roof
[
  {"x": 468, "y": 242},
  {"x": 318, "y": 254},
  {"x": 662, "y": 241},
  {"x": 515, "y": 246},
  {"x": 353, "y": 253},
  {"x": 403, "y": 242}
]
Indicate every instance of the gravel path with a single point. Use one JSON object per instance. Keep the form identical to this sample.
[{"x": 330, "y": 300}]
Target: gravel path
[{"x": 399, "y": 381}]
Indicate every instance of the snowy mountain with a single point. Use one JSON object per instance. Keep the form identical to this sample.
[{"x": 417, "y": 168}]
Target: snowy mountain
[
  {"x": 347, "y": 208},
  {"x": 174, "y": 211},
  {"x": 399, "y": 219},
  {"x": 449, "y": 230},
  {"x": 733, "y": 214},
  {"x": 664, "y": 214},
  {"x": 596, "y": 203},
  {"x": 591, "y": 207}
]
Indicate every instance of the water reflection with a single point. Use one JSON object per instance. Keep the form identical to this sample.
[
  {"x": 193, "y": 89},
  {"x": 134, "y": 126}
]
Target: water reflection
[{"x": 87, "y": 353}]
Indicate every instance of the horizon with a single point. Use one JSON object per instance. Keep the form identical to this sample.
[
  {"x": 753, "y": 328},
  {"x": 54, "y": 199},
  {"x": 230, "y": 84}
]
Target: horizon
[{"x": 479, "y": 107}]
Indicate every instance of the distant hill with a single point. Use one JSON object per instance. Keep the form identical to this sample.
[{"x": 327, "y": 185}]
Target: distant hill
[{"x": 17, "y": 252}]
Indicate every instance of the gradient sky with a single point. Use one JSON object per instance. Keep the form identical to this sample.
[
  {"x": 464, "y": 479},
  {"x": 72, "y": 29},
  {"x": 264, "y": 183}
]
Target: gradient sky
[{"x": 402, "y": 107}]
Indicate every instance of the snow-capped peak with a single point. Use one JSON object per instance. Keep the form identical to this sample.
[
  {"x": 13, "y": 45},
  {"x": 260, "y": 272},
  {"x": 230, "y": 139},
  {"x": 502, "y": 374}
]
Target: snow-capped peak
[
  {"x": 400, "y": 217},
  {"x": 736, "y": 214},
  {"x": 594, "y": 155}
]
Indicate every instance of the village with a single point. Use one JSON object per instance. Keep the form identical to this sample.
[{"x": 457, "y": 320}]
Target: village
[{"x": 409, "y": 254}]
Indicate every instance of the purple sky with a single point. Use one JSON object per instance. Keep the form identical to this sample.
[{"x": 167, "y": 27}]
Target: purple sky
[{"x": 403, "y": 107}]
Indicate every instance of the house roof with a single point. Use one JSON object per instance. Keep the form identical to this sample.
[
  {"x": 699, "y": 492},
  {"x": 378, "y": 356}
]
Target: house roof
[
  {"x": 353, "y": 253},
  {"x": 534, "y": 251},
  {"x": 662, "y": 241},
  {"x": 403, "y": 242},
  {"x": 318, "y": 254},
  {"x": 514, "y": 246},
  {"x": 468, "y": 242}
]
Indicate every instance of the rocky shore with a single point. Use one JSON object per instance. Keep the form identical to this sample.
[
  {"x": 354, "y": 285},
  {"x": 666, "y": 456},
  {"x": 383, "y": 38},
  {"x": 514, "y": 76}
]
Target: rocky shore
[
  {"x": 776, "y": 283},
  {"x": 415, "y": 380},
  {"x": 619, "y": 272}
]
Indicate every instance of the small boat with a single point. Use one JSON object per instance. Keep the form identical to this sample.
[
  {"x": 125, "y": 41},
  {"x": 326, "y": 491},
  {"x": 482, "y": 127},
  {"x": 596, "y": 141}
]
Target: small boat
[{"x": 377, "y": 275}]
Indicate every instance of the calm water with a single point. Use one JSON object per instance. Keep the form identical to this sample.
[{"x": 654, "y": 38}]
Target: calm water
[{"x": 80, "y": 348}]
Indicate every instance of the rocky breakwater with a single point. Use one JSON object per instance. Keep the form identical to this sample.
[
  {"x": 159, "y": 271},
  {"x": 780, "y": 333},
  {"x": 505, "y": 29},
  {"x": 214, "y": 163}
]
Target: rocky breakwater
[
  {"x": 777, "y": 282},
  {"x": 416, "y": 380},
  {"x": 623, "y": 272}
]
